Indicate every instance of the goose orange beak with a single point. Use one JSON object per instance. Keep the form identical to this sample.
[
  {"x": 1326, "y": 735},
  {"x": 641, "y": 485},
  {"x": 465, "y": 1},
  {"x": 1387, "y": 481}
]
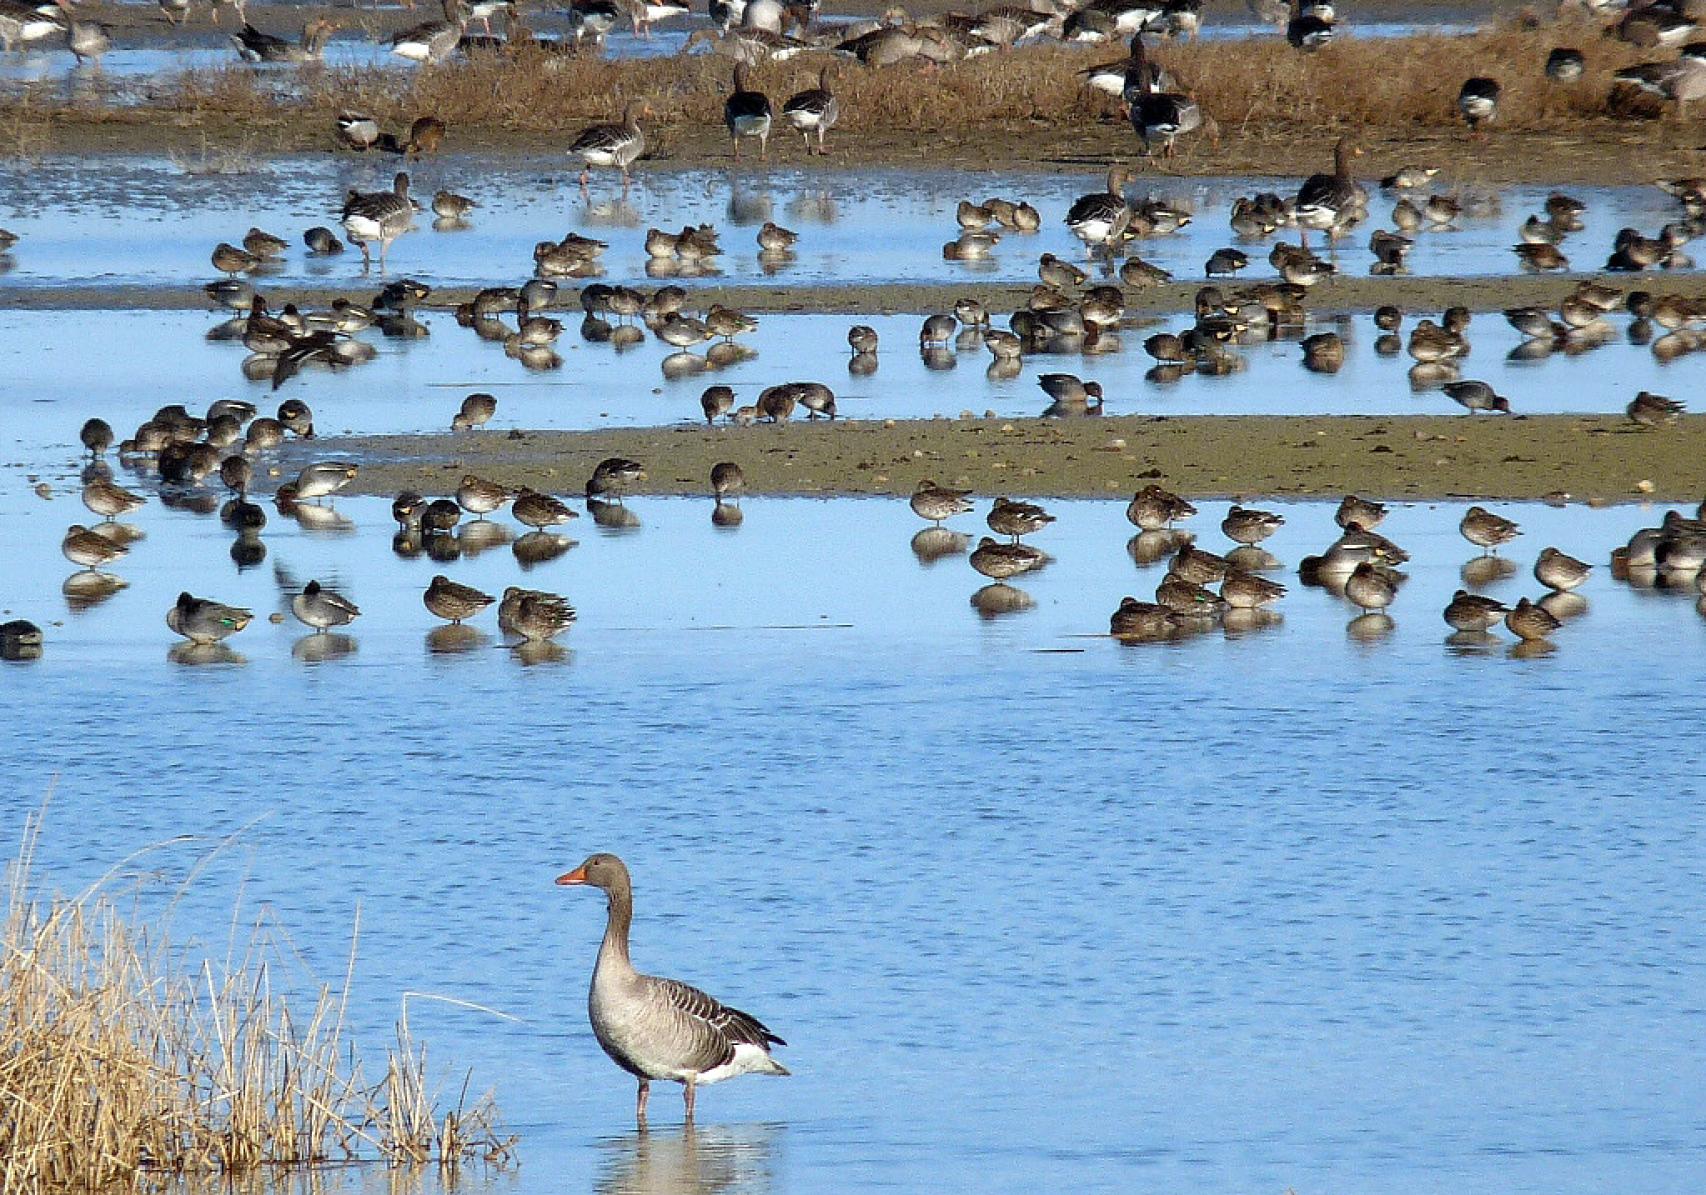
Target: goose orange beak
[{"x": 577, "y": 876}]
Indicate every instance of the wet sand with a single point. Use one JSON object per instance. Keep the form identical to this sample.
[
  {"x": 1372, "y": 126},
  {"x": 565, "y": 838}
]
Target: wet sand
[
  {"x": 1597, "y": 459},
  {"x": 1353, "y": 294}
]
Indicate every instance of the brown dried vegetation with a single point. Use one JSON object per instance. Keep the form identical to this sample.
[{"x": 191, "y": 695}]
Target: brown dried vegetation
[{"x": 125, "y": 1059}]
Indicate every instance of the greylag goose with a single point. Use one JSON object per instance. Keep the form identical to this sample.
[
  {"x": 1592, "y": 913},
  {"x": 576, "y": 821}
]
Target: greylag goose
[
  {"x": 1325, "y": 199},
  {"x": 815, "y": 110},
  {"x": 1565, "y": 65},
  {"x": 1308, "y": 31},
  {"x": 23, "y": 22},
  {"x": 381, "y": 216},
  {"x": 656, "y": 1028},
  {"x": 1156, "y": 115},
  {"x": 747, "y": 114},
  {"x": 1679, "y": 81},
  {"x": 88, "y": 40},
  {"x": 615, "y": 146},
  {"x": 642, "y": 14},
  {"x": 433, "y": 41},
  {"x": 1101, "y": 218},
  {"x": 255, "y": 46},
  {"x": 1478, "y": 101}
]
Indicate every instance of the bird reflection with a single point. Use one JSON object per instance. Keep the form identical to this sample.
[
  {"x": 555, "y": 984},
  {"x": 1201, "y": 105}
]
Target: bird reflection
[
  {"x": 689, "y": 1161},
  {"x": 813, "y": 208},
  {"x": 195, "y": 655},
  {"x": 1483, "y": 571},
  {"x": 1148, "y": 547},
  {"x": 86, "y": 589},
  {"x": 194, "y": 501},
  {"x": 1370, "y": 628},
  {"x": 539, "y": 547},
  {"x": 749, "y": 207},
  {"x": 862, "y": 365},
  {"x": 482, "y": 536},
  {"x": 1238, "y": 621},
  {"x": 774, "y": 261},
  {"x": 998, "y": 598},
  {"x": 1472, "y": 643},
  {"x": 612, "y": 213},
  {"x": 317, "y": 648},
  {"x": 1563, "y": 605},
  {"x": 937, "y": 543},
  {"x": 612, "y": 516},
  {"x": 541, "y": 651},
  {"x": 728, "y": 515},
  {"x": 455, "y": 638},
  {"x": 248, "y": 550},
  {"x": 683, "y": 364},
  {"x": 938, "y": 358},
  {"x": 1252, "y": 559},
  {"x": 1532, "y": 649}
]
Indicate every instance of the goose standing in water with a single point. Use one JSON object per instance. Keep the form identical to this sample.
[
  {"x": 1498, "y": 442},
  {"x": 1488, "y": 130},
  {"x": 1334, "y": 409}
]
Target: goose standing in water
[
  {"x": 1326, "y": 199},
  {"x": 747, "y": 114},
  {"x": 381, "y": 216},
  {"x": 1102, "y": 218},
  {"x": 657, "y": 1028},
  {"x": 616, "y": 146}
]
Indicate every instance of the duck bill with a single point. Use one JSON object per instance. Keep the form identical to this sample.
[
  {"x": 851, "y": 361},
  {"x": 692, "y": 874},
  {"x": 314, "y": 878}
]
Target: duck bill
[{"x": 577, "y": 876}]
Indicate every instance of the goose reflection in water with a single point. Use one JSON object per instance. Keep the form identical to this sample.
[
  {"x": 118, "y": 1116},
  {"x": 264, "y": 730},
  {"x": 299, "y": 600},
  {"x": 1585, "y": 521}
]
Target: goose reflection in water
[
  {"x": 612, "y": 213},
  {"x": 732, "y": 1159}
]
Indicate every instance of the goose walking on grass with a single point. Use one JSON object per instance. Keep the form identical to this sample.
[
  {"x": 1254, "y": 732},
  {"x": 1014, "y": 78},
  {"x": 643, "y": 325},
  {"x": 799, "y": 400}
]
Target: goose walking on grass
[
  {"x": 612, "y": 146},
  {"x": 747, "y": 114},
  {"x": 657, "y": 1028},
  {"x": 381, "y": 216},
  {"x": 814, "y": 110}
]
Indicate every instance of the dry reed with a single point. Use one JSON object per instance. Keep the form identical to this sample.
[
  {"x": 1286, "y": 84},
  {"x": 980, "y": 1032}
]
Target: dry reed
[
  {"x": 124, "y": 1058},
  {"x": 1252, "y": 87}
]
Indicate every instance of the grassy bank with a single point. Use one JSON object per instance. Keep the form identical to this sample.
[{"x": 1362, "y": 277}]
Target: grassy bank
[
  {"x": 124, "y": 1057},
  {"x": 1275, "y": 110}
]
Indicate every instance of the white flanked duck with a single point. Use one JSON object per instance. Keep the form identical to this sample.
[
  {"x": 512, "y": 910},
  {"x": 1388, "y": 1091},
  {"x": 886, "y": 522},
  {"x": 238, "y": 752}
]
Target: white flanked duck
[{"x": 657, "y": 1028}]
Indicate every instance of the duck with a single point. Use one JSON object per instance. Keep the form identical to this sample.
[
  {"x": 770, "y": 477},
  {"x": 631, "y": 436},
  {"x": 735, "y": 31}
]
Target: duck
[
  {"x": 453, "y": 601},
  {"x": 432, "y": 42},
  {"x": 1155, "y": 509},
  {"x": 381, "y": 216},
  {"x": 1559, "y": 571},
  {"x": 1540, "y": 257},
  {"x": 613, "y": 477},
  {"x": 96, "y": 436},
  {"x": 1371, "y": 587},
  {"x": 1478, "y": 102},
  {"x": 255, "y": 46},
  {"x": 476, "y": 411},
  {"x": 1248, "y": 526},
  {"x": 1099, "y": 219},
  {"x": 999, "y": 561},
  {"x": 1017, "y": 519},
  {"x": 322, "y": 609},
  {"x": 1474, "y": 612},
  {"x": 1364, "y": 512},
  {"x": 109, "y": 500},
  {"x": 815, "y": 110},
  {"x": 936, "y": 503},
  {"x": 1142, "y": 620},
  {"x": 1487, "y": 530},
  {"x": 205, "y": 621},
  {"x": 612, "y": 146},
  {"x": 1242, "y": 590},
  {"x": 535, "y": 615},
  {"x": 89, "y": 549},
  {"x": 447, "y": 205},
  {"x": 1647, "y": 409},
  {"x": 319, "y": 480},
  {"x": 746, "y": 113},
  {"x": 656, "y": 1028},
  {"x": 1477, "y": 396},
  {"x": 322, "y": 241},
  {"x": 1430, "y": 343},
  {"x": 1068, "y": 390},
  {"x": 1530, "y": 621},
  {"x": 480, "y": 497},
  {"x": 229, "y": 259},
  {"x": 1197, "y": 566}
]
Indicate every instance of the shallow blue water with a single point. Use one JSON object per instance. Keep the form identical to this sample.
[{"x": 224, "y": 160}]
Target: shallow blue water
[
  {"x": 416, "y": 385},
  {"x": 138, "y": 220},
  {"x": 1295, "y": 907}
]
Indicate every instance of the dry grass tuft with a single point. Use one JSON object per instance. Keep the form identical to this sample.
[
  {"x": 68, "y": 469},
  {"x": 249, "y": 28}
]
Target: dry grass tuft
[{"x": 122, "y": 1057}]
